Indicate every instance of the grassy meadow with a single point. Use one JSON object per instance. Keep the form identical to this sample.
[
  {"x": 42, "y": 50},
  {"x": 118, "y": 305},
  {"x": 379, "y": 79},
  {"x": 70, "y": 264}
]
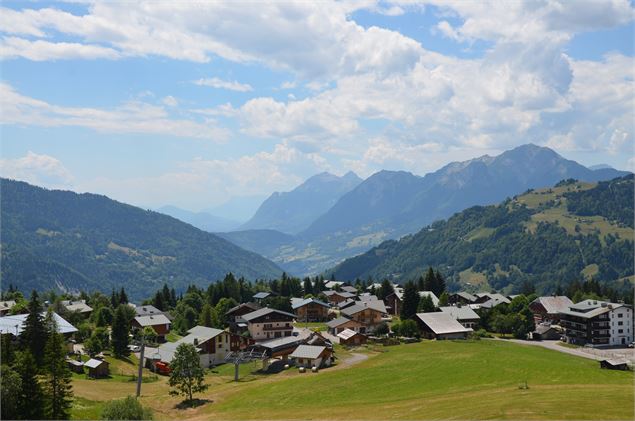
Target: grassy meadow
[{"x": 429, "y": 380}]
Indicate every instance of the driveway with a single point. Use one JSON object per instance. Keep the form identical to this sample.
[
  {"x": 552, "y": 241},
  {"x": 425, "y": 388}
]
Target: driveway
[{"x": 591, "y": 353}]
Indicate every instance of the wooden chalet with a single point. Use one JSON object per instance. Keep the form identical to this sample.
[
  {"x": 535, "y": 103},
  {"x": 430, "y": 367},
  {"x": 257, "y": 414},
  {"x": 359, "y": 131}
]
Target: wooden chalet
[
  {"x": 269, "y": 323},
  {"x": 311, "y": 310}
]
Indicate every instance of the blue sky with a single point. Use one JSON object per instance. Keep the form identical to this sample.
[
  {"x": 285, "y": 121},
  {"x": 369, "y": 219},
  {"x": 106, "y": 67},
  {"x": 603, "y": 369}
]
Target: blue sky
[{"x": 192, "y": 105}]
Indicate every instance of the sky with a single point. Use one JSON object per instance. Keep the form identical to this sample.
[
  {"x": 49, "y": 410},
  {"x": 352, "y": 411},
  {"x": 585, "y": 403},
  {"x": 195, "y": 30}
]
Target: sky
[{"x": 193, "y": 103}]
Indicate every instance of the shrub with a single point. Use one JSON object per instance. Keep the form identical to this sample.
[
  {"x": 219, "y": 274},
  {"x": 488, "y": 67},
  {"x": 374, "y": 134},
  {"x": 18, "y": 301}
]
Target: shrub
[
  {"x": 125, "y": 409},
  {"x": 382, "y": 329}
]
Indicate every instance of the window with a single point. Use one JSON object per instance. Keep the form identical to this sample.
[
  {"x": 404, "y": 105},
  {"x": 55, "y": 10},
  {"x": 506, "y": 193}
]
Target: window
[
  {"x": 620, "y": 323},
  {"x": 620, "y": 315},
  {"x": 620, "y": 330}
]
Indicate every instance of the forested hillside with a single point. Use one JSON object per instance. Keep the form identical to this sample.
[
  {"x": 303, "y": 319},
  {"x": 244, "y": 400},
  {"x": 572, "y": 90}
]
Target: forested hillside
[
  {"x": 64, "y": 240},
  {"x": 546, "y": 237}
]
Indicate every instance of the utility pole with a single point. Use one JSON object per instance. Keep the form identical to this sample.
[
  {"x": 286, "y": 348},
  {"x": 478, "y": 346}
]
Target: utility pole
[{"x": 140, "y": 374}]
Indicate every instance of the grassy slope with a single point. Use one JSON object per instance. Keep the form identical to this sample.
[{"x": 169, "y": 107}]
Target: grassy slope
[{"x": 429, "y": 380}]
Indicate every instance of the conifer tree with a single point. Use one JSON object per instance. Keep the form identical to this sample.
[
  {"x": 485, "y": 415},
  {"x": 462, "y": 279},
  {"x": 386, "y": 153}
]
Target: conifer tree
[
  {"x": 439, "y": 284},
  {"x": 426, "y": 305},
  {"x": 123, "y": 298},
  {"x": 206, "y": 317},
  {"x": 120, "y": 331},
  {"x": 34, "y": 332},
  {"x": 429, "y": 281},
  {"x": 114, "y": 299},
  {"x": 10, "y": 390},
  {"x": 58, "y": 391},
  {"x": 410, "y": 301},
  {"x": 31, "y": 397}
]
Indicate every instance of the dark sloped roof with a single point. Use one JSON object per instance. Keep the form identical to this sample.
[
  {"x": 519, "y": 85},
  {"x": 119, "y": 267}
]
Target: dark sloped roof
[
  {"x": 264, "y": 311},
  {"x": 309, "y": 301}
]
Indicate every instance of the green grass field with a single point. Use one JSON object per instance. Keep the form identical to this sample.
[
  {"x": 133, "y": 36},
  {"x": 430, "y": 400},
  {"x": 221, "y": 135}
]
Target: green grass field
[{"x": 427, "y": 380}]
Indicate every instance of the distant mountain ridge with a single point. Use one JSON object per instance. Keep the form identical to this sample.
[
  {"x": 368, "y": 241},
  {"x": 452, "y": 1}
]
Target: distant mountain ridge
[
  {"x": 201, "y": 220},
  {"x": 61, "y": 239},
  {"x": 293, "y": 211},
  {"x": 547, "y": 237},
  {"x": 390, "y": 204}
]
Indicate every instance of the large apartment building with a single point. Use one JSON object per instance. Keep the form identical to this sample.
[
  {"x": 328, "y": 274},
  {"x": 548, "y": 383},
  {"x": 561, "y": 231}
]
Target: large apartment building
[{"x": 598, "y": 323}]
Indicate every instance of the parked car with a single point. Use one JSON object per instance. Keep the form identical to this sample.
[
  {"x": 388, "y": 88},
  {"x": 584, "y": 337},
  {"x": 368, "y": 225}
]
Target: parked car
[
  {"x": 134, "y": 348},
  {"x": 631, "y": 345}
]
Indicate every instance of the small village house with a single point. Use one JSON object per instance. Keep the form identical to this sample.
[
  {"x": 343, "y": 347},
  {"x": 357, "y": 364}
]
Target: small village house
[
  {"x": 268, "y": 323},
  {"x": 461, "y": 298},
  {"x": 158, "y": 322},
  {"x": 394, "y": 300},
  {"x": 77, "y": 306},
  {"x": 547, "y": 309},
  {"x": 14, "y": 325},
  {"x": 75, "y": 366},
  {"x": 463, "y": 314},
  {"x": 440, "y": 325},
  {"x": 309, "y": 356},
  {"x": 148, "y": 310},
  {"x": 336, "y": 297},
  {"x": 311, "y": 310},
  {"x": 615, "y": 364},
  {"x": 6, "y": 306},
  {"x": 234, "y": 316},
  {"x": 340, "y": 324},
  {"x": 97, "y": 368},
  {"x": 349, "y": 337},
  {"x": 545, "y": 331},
  {"x": 368, "y": 314}
]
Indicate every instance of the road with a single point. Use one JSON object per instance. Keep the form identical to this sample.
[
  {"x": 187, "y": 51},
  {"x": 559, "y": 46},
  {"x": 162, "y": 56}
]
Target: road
[{"x": 591, "y": 353}]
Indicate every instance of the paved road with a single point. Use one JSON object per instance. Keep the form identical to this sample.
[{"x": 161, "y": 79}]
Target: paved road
[{"x": 591, "y": 353}]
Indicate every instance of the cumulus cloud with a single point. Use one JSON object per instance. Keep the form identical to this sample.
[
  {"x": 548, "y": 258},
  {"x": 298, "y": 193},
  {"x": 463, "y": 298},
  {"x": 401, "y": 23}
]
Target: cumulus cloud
[
  {"x": 39, "y": 169},
  {"x": 217, "y": 83},
  {"x": 130, "y": 117}
]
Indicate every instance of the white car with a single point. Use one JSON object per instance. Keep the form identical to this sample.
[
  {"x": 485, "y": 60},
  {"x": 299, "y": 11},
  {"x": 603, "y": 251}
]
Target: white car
[{"x": 134, "y": 348}]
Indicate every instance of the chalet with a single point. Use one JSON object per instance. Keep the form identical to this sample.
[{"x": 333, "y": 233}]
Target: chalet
[
  {"x": 311, "y": 310},
  {"x": 268, "y": 323},
  {"x": 350, "y": 337},
  {"x": 333, "y": 284},
  {"x": 312, "y": 356},
  {"x": 547, "y": 309},
  {"x": 441, "y": 325},
  {"x": 546, "y": 331},
  {"x": 614, "y": 364},
  {"x": 484, "y": 297},
  {"x": 463, "y": 314},
  {"x": 346, "y": 303},
  {"x": 14, "y": 324},
  {"x": 97, "y": 368},
  {"x": 158, "y": 322},
  {"x": 234, "y": 316},
  {"x": 461, "y": 298},
  {"x": 349, "y": 289},
  {"x": 598, "y": 323},
  {"x": 368, "y": 314},
  {"x": 259, "y": 296},
  {"x": 75, "y": 366},
  {"x": 147, "y": 310},
  {"x": 336, "y": 297},
  {"x": 341, "y": 324},
  {"x": 211, "y": 344},
  {"x": 367, "y": 297},
  {"x": 395, "y": 299},
  {"x": 78, "y": 306},
  {"x": 6, "y": 306}
]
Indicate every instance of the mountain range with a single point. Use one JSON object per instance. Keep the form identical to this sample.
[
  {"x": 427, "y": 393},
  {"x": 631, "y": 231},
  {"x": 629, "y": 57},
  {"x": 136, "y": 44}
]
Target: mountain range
[
  {"x": 390, "y": 204},
  {"x": 546, "y": 237},
  {"x": 60, "y": 239},
  {"x": 201, "y": 220}
]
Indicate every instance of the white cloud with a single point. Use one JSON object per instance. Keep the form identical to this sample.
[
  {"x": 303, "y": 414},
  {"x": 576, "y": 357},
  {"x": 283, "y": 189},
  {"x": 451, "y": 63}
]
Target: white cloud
[
  {"x": 217, "y": 83},
  {"x": 39, "y": 169},
  {"x": 130, "y": 117},
  {"x": 170, "y": 101},
  {"x": 12, "y": 47}
]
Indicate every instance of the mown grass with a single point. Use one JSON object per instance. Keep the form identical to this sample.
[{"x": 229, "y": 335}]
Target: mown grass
[
  {"x": 427, "y": 380},
  {"x": 319, "y": 326}
]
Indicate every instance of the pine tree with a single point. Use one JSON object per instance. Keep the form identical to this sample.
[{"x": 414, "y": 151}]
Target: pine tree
[
  {"x": 165, "y": 296},
  {"x": 410, "y": 301},
  {"x": 443, "y": 299},
  {"x": 439, "y": 284},
  {"x": 429, "y": 281},
  {"x": 58, "y": 391},
  {"x": 10, "y": 390},
  {"x": 426, "y": 305},
  {"x": 123, "y": 298},
  {"x": 31, "y": 398},
  {"x": 114, "y": 299},
  {"x": 421, "y": 285},
  {"x": 34, "y": 333},
  {"x": 385, "y": 290},
  {"x": 307, "y": 287},
  {"x": 120, "y": 331},
  {"x": 207, "y": 317}
]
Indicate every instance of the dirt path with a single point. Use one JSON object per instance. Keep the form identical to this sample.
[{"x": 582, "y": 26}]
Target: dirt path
[
  {"x": 355, "y": 358},
  {"x": 591, "y": 353}
]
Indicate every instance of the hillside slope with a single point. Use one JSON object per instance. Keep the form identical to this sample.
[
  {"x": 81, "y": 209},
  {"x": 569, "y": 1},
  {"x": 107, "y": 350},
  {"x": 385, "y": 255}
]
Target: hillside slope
[
  {"x": 201, "y": 220},
  {"x": 549, "y": 236},
  {"x": 291, "y": 212},
  {"x": 53, "y": 238}
]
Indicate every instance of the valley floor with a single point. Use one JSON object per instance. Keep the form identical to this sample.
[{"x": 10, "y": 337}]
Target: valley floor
[{"x": 429, "y": 380}]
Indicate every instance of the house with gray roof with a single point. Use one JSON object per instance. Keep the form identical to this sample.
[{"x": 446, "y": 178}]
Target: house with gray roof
[
  {"x": 14, "y": 324},
  {"x": 598, "y": 323},
  {"x": 310, "y": 356},
  {"x": 158, "y": 322},
  {"x": 440, "y": 325},
  {"x": 547, "y": 309},
  {"x": 461, "y": 298},
  {"x": 463, "y": 314},
  {"x": 310, "y": 310},
  {"x": 6, "y": 306},
  {"x": 268, "y": 323},
  {"x": 78, "y": 306}
]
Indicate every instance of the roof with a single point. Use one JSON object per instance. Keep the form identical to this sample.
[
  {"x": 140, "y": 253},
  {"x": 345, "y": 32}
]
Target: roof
[
  {"x": 307, "y": 301},
  {"x": 346, "y": 334},
  {"x": 147, "y": 310},
  {"x": 348, "y": 288},
  {"x": 344, "y": 294},
  {"x": 252, "y": 306},
  {"x": 14, "y": 324},
  {"x": 153, "y": 320},
  {"x": 6, "y": 305},
  {"x": 264, "y": 311},
  {"x": 590, "y": 308},
  {"x": 333, "y": 284},
  {"x": 77, "y": 305},
  {"x": 466, "y": 295},
  {"x": 346, "y": 303},
  {"x": 616, "y": 361},
  {"x": 94, "y": 363},
  {"x": 261, "y": 295},
  {"x": 441, "y": 323},
  {"x": 554, "y": 304},
  {"x": 308, "y": 351},
  {"x": 367, "y": 297},
  {"x": 281, "y": 343},
  {"x": 543, "y": 328},
  {"x": 201, "y": 333},
  {"x": 494, "y": 296},
  {"x": 460, "y": 313},
  {"x": 493, "y": 302},
  {"x": 338, "y": 322},
  {"x": 75, "y": 362}
]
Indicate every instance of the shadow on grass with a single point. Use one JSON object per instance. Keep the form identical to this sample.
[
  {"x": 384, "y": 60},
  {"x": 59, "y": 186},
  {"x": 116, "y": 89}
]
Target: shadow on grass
[{"x": 194, "y": 403}]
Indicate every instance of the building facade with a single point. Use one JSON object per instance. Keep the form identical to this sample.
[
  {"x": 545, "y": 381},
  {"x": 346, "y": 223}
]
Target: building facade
[{"x": 598, "y": 323}]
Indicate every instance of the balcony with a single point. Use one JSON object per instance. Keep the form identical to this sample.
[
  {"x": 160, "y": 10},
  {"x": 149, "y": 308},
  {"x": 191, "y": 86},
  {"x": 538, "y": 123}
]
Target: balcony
[{"x": 273, "y": 328}]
